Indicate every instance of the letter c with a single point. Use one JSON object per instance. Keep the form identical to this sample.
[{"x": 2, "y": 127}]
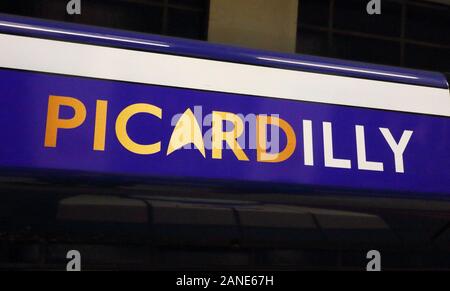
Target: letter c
[{"x": 121, "y": 128}]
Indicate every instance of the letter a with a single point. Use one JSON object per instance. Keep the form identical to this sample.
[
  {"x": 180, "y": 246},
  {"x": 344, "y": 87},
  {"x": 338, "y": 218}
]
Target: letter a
[
  {"x": 73, "y": 7},
  {"x": 187, "y": 131},
  {"x": 373, "y": 7}
]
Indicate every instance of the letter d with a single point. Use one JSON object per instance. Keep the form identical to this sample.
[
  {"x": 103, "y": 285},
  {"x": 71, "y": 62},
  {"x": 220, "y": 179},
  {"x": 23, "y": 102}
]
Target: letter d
[{"x": 261, "y": 139}]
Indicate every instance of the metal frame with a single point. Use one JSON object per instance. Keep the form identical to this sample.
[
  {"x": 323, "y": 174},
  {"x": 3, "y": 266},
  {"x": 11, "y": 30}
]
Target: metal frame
[{"x": 176, "y": 46}]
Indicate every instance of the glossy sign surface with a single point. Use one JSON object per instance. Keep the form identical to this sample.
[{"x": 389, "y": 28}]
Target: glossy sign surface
[
  {"x": 24, "y": 106},
  {"x": 342, "y": 131}
]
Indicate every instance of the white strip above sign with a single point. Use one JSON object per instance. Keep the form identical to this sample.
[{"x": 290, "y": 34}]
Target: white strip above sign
[{"x": 50, "y": 56}]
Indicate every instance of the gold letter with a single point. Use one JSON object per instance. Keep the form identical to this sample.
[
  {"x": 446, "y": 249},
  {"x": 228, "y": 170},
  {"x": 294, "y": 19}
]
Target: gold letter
[
  {"x": 261, "y": 150},
  {"x": 187, "y": 130},
  {"x": 53, "y": 121},
  {"x": 100, "y": 125},
  {"x": 218, "y": 135},
  {"x": 121, "y": 128}
]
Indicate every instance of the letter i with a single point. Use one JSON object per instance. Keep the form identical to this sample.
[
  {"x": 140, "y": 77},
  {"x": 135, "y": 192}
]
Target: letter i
[
  {"x": 100, "y": 125},
  {"x": 308, "y": 143}
]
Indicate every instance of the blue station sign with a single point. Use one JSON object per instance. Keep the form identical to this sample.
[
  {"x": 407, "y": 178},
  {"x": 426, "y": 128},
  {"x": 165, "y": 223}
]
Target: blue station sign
[{"x": 98, "y": 102}]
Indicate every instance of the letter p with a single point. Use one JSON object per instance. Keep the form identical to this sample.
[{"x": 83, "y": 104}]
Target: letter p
[{"x": 54, "y": 122}]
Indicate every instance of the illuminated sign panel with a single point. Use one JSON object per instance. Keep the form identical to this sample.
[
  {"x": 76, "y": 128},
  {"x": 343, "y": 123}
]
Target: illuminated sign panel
[
  {"x": 77, "y": 107},
  {"x": 188, "y": 131}
]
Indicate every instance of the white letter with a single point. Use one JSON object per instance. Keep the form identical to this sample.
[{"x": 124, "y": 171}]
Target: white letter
[
  {"x": 374, "y": 7},
  {"x": 375, "y": 263},
  {"x": 75, "y": 263},
  {"x": 308, "y": 143},
  {"x": 399, "y": 148},
  {"x": 74, "y": 7},
  {"x": 330, "y": 161},
  {"x": 206, "y": 280},
  {"x": 363, "y": 164}
]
